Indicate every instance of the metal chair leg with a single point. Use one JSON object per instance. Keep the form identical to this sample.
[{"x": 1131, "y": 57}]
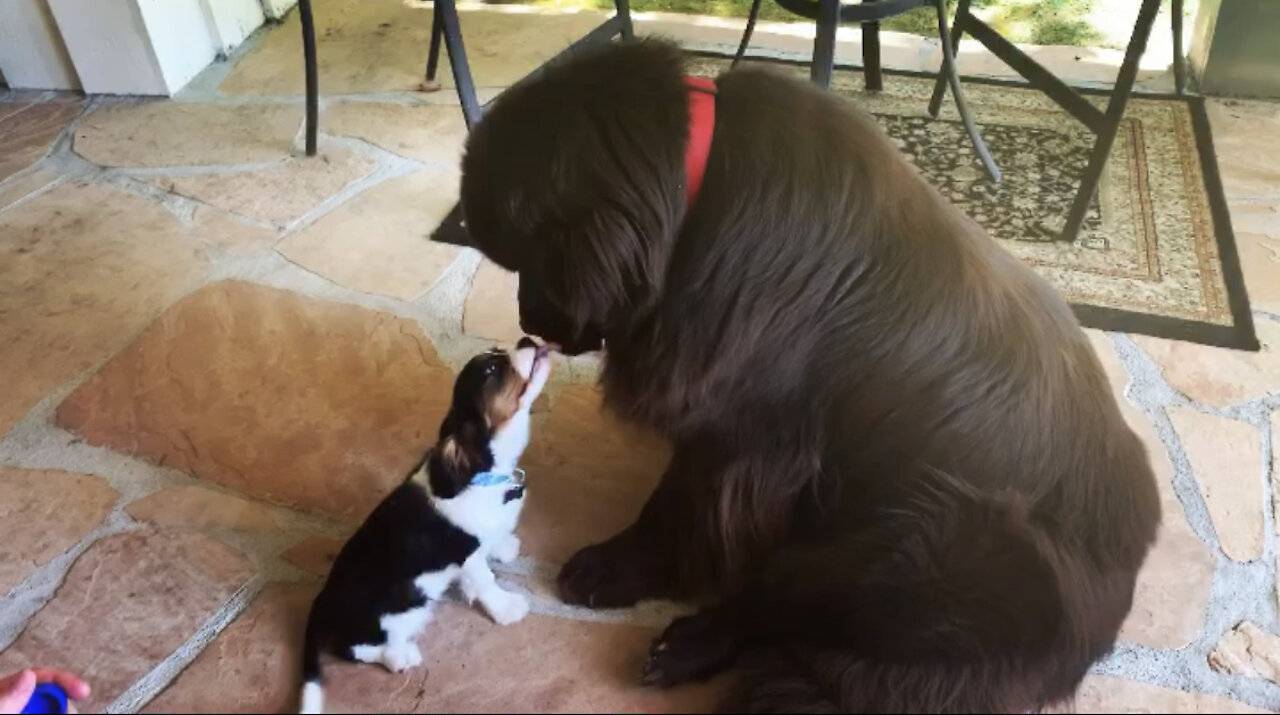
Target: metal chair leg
[
  {"x": 746, "y": 34},
  {"x": 622, "y": 8},
  {"x": 957, "y": 31},
  {"x": 871, "y": 75},
  {"x": 433, "y": 54},
  {"x": 1179, "y": 59},
  {"x": 471, "y": 109},
  {"x": 824, "y": 43},
  {"x": 949, "y": 71},
  {"x": 1111, "y": 121},
  {"x": 313, "y": 85}
]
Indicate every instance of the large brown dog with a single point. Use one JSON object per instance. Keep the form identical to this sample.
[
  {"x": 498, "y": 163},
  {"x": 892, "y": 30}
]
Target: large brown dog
[{"x": 897, "y": 465}]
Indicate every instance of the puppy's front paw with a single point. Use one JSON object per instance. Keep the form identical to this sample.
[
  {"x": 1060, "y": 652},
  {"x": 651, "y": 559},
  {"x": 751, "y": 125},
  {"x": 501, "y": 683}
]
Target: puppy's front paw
[
  {"x": 508, "y": 609},
  {"x": 401, "y": 657},
  {"x": 506, "y": 550}
]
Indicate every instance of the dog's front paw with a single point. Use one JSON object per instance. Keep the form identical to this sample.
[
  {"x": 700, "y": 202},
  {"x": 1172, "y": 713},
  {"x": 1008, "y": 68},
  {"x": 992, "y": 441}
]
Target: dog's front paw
[
  {"x": 692, "y": 648},
  {"x": 615, "y": 574},
  {"x": 508, "y": 608},
  {"x": 506, "y": 550}
]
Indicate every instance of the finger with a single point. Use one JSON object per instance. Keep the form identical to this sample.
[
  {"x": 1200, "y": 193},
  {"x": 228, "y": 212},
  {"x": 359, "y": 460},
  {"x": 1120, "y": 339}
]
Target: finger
[
  {"x": 76, "y": 688},
  {"x": 16, "y": 690}
]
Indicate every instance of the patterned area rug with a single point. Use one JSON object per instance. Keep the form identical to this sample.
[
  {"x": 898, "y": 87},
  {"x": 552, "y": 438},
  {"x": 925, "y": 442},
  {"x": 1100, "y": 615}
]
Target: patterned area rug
[{"x": 1156, "y": 255}]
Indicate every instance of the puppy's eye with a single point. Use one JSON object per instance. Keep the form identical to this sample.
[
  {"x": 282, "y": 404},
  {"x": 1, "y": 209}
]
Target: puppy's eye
[{"x": 491, "y": 369}]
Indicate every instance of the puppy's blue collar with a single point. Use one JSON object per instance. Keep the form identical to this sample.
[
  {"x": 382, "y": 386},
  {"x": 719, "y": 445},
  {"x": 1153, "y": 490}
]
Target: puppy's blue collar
[{"x": 498, "y": 479}]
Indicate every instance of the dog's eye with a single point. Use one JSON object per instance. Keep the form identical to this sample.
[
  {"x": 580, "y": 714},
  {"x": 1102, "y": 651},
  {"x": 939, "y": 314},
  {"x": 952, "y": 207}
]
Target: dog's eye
[{"x": 491, "y": 369}]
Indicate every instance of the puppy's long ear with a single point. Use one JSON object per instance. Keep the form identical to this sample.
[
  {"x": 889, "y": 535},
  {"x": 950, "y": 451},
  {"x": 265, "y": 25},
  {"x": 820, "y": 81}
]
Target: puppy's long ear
[
  {"x": 600, "y": 265},
  {"x": 450, "y": 467}
]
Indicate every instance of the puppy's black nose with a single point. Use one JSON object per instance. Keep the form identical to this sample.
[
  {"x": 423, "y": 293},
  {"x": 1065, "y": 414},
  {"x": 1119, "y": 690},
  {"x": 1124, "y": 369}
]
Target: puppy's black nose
[{"x": 526, "y": 342}]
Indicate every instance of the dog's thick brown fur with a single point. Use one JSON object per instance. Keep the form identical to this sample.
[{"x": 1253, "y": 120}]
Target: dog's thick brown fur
[{"x": 897, "y": 465}]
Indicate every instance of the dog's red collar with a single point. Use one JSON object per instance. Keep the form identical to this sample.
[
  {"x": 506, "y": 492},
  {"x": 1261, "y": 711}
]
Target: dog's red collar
[{"x": 702, "y": 124}]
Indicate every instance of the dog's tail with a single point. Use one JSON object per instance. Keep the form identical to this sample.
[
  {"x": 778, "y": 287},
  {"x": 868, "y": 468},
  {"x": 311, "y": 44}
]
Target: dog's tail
[
  {"x": 958, "y": 602},
  {"x": 312, "y": 673}
]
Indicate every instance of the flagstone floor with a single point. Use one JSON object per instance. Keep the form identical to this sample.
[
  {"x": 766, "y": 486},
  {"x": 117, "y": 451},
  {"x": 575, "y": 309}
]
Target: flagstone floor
[{"x": 217, "y": 355}]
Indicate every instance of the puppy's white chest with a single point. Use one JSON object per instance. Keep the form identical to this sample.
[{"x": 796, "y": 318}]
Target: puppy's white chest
[{"x": 486, "y": 512}]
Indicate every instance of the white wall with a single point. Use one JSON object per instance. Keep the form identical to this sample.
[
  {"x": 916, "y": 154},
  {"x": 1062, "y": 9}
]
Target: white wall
[
  {"x": 32, "y": 55},
  {"x": 275, "y": 9},
  {"x": 149, "y": 46},
  {"x": 109, "y": 45},
  {"x": 180, "y": 37},
  {"x": 231, "y": 21}
]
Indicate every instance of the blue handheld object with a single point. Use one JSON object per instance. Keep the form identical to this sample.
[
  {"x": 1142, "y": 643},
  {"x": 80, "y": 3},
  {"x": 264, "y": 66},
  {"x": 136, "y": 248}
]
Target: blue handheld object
[{"x": 48, "y": 698}]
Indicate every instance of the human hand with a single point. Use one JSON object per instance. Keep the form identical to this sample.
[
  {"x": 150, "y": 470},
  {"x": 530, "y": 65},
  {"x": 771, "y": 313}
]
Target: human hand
[{"x": 16, "y": 689}]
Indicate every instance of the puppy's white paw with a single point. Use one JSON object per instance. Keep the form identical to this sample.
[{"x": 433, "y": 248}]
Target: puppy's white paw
[
  {"x": 506, "y": 550},
  {"x": 401, "y": 657},
  {"x": 508, "y": 609}
]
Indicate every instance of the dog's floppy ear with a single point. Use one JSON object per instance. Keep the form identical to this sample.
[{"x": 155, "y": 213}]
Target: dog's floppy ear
[{"x": 599, "y": 266}]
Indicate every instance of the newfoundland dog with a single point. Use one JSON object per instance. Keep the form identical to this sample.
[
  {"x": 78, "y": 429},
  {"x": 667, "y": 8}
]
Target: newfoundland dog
[{"x": 900, "y": 481}]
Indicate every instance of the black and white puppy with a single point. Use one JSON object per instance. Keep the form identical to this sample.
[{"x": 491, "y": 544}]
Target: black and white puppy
[{"x": 455, "y": 510}]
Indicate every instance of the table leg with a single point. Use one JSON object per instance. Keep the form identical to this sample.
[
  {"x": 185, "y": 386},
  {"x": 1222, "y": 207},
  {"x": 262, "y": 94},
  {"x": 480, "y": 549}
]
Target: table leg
[
  {"x": 458, "y": 61},
  {"x": 1179, "y": 58},
  {"x": 1111, "y": 121},
  {"x": 433, "y": 54},
  {"x": 746, "y": 34},
  {"x": 622, "y": 9},
  {"x": 871, "y": 76},
  {"x": 313, "y": 85},
  {"x": 824, "y": 45},
  {"x": 957, "y": 31}
]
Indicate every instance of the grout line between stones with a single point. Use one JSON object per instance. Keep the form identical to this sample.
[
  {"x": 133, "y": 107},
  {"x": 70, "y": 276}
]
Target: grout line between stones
[
  {"x": 1239, "y": 591},
  {"x": 164, "y": 672}
]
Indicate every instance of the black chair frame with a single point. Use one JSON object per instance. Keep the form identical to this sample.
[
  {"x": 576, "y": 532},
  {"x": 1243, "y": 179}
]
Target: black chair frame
[
  {"x": 1104, "y": 124},
  {"x": 446, "y": 30}
]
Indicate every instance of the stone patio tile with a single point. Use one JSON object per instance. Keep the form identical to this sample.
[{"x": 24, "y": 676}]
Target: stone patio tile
[
  {"x": 1226, "y": 456},
  {"x": 251, "y": 667},
  {"x": 541, "y": 664},
  {"x": 1246, "y": 139},
  {"x": 491, "y": 310},
  {"x": 314, "y": 554},
  {"x": 279, "y": 194},
  {"x": 43, "y": 513},
  {"x": 224, "y": 233},
  {"x": 432, "y": 133},
  {"x": 1174, "y": 584},
  {"x": 298, "y": 401},
  {"x": 1249, "y": 651},
  {"x": 1253, "y": 217},
  {"x": 23, "y": 187},
  {"x": 1217, "y": 376},
  {"x": 367, "y": 46},
  {"x": 153, "y": 133},
  {"x": 28, "y": 128},
  {"x": 127, "y": 604},
  {"x": 82, "y": 268},
  {"x": 379, "y": 241},
  {"x": 588, "y": 475},
  {"x": 201, "y": 508},
  {"x": 1260, "y": 263},
  {"x": 1105, "y": 694}
]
